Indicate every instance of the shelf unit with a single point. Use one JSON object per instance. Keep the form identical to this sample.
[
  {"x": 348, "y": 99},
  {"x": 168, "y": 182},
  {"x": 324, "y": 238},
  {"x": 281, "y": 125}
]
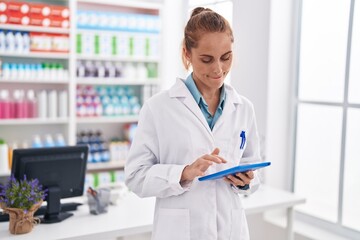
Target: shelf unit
[{"x": 20, "y": 129}]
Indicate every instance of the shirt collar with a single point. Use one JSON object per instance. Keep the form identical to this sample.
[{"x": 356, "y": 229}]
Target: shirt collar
[{"x": 190, "y": 84}]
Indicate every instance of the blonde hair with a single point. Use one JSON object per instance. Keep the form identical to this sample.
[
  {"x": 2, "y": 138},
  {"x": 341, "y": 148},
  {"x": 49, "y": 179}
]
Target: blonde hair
[{"x": 202, "y": 20}]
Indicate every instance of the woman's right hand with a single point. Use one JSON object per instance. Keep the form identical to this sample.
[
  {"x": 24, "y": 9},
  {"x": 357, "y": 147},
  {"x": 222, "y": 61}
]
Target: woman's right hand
[{"x": 200, "y": 165}]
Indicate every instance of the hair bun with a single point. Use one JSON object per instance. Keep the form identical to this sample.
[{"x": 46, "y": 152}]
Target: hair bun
[{"x": 198, "y": 10}]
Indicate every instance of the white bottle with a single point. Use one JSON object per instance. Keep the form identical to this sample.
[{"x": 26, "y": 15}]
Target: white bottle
[
  {"x": 26, "y": 42},
  {"x": 42, "y": 104},
  {"x": 49, "y": 142},
  {"x": 63, "y": 104},
  {"x": 10, "y": 42},
  {"x": 141, "y": 72},
  {"x": 4, "y": 158},
  {"x": 19, "y": 43},
  {"x": 52, "y": 107},
  {"x": 2, "y": 41}
]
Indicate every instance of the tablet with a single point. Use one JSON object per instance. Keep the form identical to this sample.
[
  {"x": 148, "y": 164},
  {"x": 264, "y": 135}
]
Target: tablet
[{"x": 240, "y": 168}]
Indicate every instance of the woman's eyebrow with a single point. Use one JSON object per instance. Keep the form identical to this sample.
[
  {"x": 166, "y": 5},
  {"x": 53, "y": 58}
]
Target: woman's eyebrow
[{"x": 205, "y": 55}]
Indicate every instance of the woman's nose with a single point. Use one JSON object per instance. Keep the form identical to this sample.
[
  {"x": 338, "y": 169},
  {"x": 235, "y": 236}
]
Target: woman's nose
[{"x": 217, "y": 67}]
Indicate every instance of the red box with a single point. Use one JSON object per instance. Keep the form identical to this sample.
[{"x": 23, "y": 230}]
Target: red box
[
  {"x": 3, "y": 7},
  {"x": 39, "y": 21},
  {"x": 39, "y": 10},
  {"x": 59, "y": 22},
  {"x": 60, "y": 12},
  {"x": 18, "y": 19},
  {"x": 18, "y": 8}
]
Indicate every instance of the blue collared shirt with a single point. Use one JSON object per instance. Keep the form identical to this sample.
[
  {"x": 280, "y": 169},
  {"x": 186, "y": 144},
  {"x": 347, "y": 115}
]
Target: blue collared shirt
[{"x": 211, "y": 119}]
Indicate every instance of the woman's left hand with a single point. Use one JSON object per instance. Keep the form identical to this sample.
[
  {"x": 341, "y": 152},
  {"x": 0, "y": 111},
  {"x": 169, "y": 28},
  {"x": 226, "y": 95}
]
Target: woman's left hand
[{"x": 240, "y": 179}]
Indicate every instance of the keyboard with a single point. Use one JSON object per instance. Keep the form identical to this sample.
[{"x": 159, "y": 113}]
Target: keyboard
[{"x": 65, "y": 207}]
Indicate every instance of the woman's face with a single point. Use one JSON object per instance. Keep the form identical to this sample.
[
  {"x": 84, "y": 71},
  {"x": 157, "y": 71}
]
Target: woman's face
[{"x": 211, "y": 60}]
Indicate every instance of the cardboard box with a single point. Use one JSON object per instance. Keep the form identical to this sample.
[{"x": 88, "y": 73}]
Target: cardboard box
[
  {"x": 39, "y": 10},
  {"x": 60, "y": 12},
  {"x": 39, "y": 21},
  {"x": 18, "y": 8}
]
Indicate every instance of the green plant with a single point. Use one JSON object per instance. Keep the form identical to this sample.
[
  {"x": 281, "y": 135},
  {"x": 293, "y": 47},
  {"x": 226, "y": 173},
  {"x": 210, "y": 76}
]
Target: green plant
[{"x": 21, "y": 194}]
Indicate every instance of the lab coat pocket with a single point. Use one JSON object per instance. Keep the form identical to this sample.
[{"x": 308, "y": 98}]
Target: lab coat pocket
[
  {"x": 238, "y": 149},
  {"x": 239, "y": 228},
  {"x": 172, "y": 224}
]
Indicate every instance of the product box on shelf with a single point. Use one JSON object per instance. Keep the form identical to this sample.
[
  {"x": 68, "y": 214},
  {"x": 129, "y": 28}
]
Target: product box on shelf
[{"x": 46, "y": 42}]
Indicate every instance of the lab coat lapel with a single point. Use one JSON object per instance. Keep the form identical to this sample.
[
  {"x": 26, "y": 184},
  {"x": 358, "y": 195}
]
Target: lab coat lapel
[
  {"x": 181, "y": 92},
  {"x": 231, "y": 102}
]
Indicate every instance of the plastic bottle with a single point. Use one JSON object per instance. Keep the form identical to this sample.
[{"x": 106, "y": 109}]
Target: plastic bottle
[
  {"x": 13, "y": 146},
  {"x": 53, "y": 106},
  {"x": 141, "y": 72},
  {"x": 19, "y": 43},
  {"x": 80, "y": 69},
  {"x": 110, "y": 69},
  {"x": 2, "y": 41},
  {"x": 4, "y": 157},
  {"x": 5, "y": 104},
  {"x": 42, "y": 104},
  {"x": 59, "y": 140},
  {"x": 36, "y": 142},
  {"x": 63, "y": 104},
  {"x": 10, "y": 41},
  {"x": 49, "y": 142},
  {"x": 31, "y": 104},
  {"x": 26, "y": 42},
  {"x": 19, "y": 104}
]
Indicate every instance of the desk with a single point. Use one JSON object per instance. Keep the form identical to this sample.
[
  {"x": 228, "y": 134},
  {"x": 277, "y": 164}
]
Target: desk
[{"x": 134, "y": 215}]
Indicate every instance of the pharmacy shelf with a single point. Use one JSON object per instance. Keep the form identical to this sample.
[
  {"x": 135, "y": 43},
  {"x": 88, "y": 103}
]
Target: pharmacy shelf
[
  {"x": 118, "y": 58},
  {"x": 116, "y": 81},
  {"x": 44, "y": 55},
  {"x": 37, "y": 81},
  {"x": 126, "y": 3},
  {"x": 109, "y": 119},
  {"x": 34, "y": 121},
  {"x": 17, "y": 27},
  {"x": 101, "y": 166}
]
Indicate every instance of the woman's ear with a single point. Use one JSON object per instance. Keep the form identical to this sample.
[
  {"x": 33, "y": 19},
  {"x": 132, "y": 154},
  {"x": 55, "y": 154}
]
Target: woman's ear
[{"x": 186, "y": 54}]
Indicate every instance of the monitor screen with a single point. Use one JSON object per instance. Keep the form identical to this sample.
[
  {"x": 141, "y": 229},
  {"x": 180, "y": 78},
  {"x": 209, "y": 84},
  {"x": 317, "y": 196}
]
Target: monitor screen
[{"x": 61, "y": 170}]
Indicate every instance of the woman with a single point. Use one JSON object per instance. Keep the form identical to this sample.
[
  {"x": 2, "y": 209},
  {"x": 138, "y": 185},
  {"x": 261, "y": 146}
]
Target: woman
[{"x": 197, "y": 127}]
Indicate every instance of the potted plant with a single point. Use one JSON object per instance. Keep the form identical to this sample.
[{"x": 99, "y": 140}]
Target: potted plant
[{"x": 21, "y": 199}]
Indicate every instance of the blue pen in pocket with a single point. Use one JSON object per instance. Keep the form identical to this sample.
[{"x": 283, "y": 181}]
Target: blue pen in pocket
[{"x": 243, "y": 139}]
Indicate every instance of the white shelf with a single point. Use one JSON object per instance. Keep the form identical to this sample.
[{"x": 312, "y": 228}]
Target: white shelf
[
  {"x": 46, "y": 55},
  {"x": 18, "y": 27},
  {"x": 125, "y": 3},
  {"x": 116, "y": 81},
  {"x": 33, "y": 121},
  {"x": 118, "y": 58},
  {"x": 109, "y": 119},
  {"x": 37, "y": 81},
  {"x": 105, "y": 165}
]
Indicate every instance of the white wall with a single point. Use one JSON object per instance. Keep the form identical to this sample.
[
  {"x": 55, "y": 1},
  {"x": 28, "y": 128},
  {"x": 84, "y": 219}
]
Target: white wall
[
  {"x": 250, "y": 70},
  {"x": 263, "y": 72},
  {"x": 174, "y": 15}
]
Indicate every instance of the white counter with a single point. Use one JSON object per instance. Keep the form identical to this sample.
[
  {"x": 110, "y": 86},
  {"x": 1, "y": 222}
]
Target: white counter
[{"x": 134, "y": 215}]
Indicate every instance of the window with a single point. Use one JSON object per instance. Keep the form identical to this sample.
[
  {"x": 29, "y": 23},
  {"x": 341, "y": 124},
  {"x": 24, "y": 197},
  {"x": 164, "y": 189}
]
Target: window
[{"x": 328, "y": 114}]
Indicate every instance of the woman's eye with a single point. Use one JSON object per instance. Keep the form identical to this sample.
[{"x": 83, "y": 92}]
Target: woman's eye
[
  {"x": 206, "y": 60},
  {"x": 226, "y": 58}
]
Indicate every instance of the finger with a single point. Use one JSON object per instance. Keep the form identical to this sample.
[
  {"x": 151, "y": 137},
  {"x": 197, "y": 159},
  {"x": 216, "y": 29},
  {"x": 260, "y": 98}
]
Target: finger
[
  {"x": 243, "y": 177},
  {"x": 216, "y": 151},
  {"x": 236, "y": 181},
  {"x": 222, "y": 159},
  {"x": 213, "y": 158},
  {"x": 250, "y": 174}
]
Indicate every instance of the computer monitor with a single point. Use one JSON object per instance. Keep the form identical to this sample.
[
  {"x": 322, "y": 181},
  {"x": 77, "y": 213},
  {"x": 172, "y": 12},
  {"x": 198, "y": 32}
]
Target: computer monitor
[{"x": 61, "y": 170}]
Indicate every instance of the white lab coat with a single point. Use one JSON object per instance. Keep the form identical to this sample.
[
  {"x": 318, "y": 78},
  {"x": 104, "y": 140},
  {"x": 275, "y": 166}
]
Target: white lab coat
[{"x": 172, "y": 133}]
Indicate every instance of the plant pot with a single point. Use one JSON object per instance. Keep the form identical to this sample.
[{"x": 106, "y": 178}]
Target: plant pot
[{"x": 21, "y": 221}]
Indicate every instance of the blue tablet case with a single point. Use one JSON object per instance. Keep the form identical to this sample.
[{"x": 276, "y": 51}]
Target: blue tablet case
[{"x": 234, "y": 170}]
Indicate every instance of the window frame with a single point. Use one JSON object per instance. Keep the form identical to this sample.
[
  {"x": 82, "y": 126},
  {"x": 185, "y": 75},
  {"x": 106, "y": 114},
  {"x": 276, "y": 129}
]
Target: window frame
[{"x": 337, "y": 227}]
